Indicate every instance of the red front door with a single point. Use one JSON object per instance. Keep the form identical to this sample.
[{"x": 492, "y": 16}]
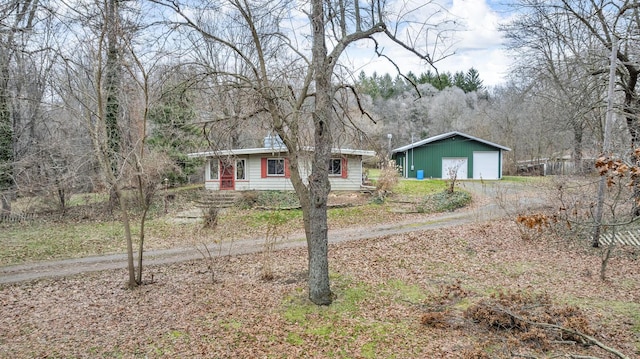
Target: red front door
[{"x": 227, "y": 178}]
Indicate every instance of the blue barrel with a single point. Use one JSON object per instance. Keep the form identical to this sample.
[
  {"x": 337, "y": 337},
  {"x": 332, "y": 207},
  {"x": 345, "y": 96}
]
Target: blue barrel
[{"x": 420, "y": 174}]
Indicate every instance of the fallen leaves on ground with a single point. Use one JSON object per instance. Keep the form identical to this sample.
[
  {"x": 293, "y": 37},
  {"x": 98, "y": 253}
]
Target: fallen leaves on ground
[{"x": 384, "y": 288}]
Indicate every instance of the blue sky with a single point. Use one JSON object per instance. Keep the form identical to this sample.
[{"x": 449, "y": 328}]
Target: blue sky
[{"x": 478, "y": 45}]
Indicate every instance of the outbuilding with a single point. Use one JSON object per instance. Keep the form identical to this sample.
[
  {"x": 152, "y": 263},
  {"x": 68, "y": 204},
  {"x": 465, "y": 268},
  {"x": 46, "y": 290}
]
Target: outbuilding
[{"x": 450, "y": 154}]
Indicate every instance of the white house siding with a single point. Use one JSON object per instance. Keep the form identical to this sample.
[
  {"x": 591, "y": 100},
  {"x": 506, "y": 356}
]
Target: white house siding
[
  {"x": 242, "y": 185},
  {"x": 354, "y": 176},
  {"x": 254, "y": 180},
  {"x": 212, "y": 185}
]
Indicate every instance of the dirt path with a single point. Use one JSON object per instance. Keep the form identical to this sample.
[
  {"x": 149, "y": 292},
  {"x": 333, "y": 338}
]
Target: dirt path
[{"x": 486, "y": 194}]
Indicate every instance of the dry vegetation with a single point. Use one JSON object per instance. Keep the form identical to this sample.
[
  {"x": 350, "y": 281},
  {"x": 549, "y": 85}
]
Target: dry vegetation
[
  {"x": 498, "y": 289},
  {"x": 432, "y": 294},
  {"x": 90, "y": 228}
]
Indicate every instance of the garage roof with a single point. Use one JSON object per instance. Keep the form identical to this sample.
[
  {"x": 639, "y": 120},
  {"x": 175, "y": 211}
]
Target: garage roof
[{"x": 445, "y": 136}]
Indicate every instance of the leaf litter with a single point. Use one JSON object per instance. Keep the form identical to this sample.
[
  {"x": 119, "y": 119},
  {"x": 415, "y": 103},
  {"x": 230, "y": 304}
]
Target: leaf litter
[{"x": 387, "y": 291}]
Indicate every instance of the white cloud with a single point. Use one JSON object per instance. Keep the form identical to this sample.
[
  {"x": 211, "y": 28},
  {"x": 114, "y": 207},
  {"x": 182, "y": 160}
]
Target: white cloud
[
  {"x": 481, "y": 24},
  {"x": 479, "y": 45}
]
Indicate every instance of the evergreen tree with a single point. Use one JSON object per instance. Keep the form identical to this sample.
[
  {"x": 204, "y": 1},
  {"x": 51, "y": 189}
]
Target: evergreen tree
[
  {"x": 385, "y": 84},
  {"x": 174, "y": 133},
  {"x": 472, "y": 81},
  {"x": 460, "y": 81},
  {"x": 368, "y": 85},
  {"x": 386, "y": 87},
  {"x": 427, "y": 78},
  {"x": 443, "y": 81}
]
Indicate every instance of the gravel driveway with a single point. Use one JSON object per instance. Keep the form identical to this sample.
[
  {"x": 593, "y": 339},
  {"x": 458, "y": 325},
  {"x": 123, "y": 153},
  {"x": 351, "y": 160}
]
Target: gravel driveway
[{"x": 492, "y": 200}]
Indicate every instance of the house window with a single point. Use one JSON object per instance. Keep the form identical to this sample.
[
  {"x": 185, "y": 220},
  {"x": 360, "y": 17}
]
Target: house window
[
  {"x": 335, "y": 167},
  {"x": 213, "y": 169},
  {"x": 275, "y": 167},
  {"x": 240, "y": 170}
]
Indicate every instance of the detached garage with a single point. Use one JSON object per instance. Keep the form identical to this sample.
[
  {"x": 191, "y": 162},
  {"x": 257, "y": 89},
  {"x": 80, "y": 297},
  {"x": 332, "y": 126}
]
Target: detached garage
[{"x": 449, "y": 154}]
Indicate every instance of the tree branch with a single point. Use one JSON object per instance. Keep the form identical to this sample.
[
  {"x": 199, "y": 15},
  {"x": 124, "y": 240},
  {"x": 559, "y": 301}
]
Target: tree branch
[
  {"x": 357, "y": 97},
  {"x": 584, "y": 336}
]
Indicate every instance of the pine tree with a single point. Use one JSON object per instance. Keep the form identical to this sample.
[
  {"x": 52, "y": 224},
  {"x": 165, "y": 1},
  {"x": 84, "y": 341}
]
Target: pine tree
[{"x": 173, "y": 132}]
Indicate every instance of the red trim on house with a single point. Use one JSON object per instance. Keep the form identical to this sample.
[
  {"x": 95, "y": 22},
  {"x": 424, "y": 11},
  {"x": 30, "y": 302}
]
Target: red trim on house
[
  {"x": 345, "y": 164},
  {"x": 287, "y": 170},
  {"x": 263, "y": 167}
]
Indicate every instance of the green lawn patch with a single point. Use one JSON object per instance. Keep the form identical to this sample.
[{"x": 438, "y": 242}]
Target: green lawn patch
[
  {"x": 49, "y": 241},
  {"x": 411, "y": 187},
  {"x": 346, "y": 323}
]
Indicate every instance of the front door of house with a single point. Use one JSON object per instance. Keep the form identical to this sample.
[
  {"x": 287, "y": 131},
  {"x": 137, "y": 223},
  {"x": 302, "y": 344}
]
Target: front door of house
[{"x": 227, "y": 179}]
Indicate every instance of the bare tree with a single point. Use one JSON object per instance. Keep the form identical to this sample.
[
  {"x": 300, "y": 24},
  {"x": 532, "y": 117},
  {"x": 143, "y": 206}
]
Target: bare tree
[
  {"x": 17, "y": 23},
  {"x": 564, "y": 66},
  {"x": 291, "y": 74},
  {"x": 110, "y": 89},
  {"x": 583, "y": 35}
]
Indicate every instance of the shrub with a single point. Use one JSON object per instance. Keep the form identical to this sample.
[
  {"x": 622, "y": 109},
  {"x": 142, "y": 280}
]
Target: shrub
[
  {"x": 388, "y": 180},
  {"x": 248, "y": 199},
  {"x": 444, "y": 202},
  {"x": 210, "y": 217}
]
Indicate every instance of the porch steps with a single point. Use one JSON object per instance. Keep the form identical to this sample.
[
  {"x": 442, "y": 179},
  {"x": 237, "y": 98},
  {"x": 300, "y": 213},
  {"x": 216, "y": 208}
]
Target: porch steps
[{"x": 218, "y": 199}]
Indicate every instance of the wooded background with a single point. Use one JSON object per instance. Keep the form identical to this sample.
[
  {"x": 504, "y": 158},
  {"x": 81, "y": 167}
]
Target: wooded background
[{"x": 65, "y": 68}]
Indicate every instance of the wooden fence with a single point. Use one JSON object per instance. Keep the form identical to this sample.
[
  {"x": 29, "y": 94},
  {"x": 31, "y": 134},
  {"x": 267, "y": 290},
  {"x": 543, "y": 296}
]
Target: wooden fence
[
  {"x": 16, "y": 217},
  {"x": 547, "y": 167},
  {"x": 630, "y": 238}
]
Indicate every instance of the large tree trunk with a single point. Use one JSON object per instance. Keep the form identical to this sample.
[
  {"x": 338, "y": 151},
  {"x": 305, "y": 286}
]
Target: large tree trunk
[
  {"x": 633, "y": 125},
  {"x": 112, "y": 83},
  {"x": 632, "y": 110},
  {"x": 319, "y": 186},
  {"x": 317, "y": 236}
]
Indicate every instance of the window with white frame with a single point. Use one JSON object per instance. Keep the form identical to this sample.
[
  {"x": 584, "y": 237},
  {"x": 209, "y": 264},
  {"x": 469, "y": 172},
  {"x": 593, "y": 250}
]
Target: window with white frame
[
  {"x": 335, "y": 167},
  {"x": 213, "y": 169},
  {"x": 275, "y": 167},
  {"x": 241, "y": 173}
]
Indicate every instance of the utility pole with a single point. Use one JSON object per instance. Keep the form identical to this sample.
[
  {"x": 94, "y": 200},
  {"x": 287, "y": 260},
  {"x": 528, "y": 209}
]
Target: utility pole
[
  {"x": 606, "y": 144},
  {"x": 389, "y": 137}
]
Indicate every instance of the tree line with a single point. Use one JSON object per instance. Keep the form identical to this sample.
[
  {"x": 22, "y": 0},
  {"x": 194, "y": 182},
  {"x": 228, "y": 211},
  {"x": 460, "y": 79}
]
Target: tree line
[{"x": 386, "y": 87}]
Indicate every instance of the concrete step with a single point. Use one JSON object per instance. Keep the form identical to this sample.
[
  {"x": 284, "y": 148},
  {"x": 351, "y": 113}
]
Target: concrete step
[{"x": 220, "y": 199}]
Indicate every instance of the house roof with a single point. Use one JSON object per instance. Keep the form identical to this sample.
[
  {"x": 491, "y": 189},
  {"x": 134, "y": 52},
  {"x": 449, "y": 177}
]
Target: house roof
[
  {"x": 274, "y": 150},
  {"x": 445, "y": 136}
]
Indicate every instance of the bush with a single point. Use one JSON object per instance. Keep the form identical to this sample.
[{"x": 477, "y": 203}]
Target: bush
[
  {"x": 388, "y": 180},
  {"x": 269, "y": 199},
  {"x": 210, "y": 216},
  {"x": 444, "y": 202},
  {"x": 248, "y": 199}
]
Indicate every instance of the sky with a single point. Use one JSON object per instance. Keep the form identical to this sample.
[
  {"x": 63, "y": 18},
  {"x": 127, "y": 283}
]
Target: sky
[{"x": 479, "y": 45}]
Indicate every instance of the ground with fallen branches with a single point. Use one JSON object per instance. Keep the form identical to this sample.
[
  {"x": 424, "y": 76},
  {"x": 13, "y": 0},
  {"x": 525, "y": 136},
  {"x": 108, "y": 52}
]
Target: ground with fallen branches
[{"x": 407, "y": 296}]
